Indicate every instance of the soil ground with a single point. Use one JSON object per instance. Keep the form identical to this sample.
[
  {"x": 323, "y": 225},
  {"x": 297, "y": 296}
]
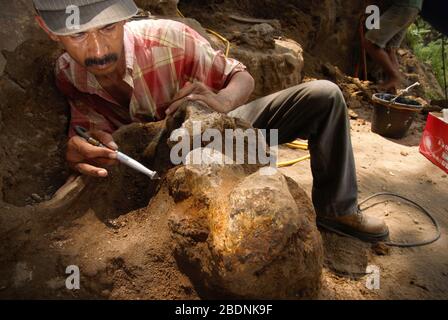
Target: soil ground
[
  {"x": 382, "y": 165},
  {"x": 113, "y": 249},
  {"x": 394, "y": 166}
]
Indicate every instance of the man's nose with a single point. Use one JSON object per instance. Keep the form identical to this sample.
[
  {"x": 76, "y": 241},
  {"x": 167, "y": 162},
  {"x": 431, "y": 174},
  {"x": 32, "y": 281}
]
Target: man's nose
[{"x": 97, "y": 48}]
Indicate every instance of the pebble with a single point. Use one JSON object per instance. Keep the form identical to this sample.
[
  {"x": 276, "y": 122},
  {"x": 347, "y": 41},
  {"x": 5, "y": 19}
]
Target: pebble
[
  {"x": 352, "y": 114},
  {"x": 36, "y": 197},
  {"x": 404, "y": 153},
  {"x": 416, "y": 221},
  {"x": 113, "y": 224},
  {"x": 380, "y": 249},
  {"x": 105, "y": 293}
]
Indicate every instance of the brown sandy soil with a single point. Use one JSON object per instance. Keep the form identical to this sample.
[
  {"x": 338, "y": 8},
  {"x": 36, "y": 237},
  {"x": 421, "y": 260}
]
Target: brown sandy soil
[
  {"x": 130, "y": 257},
  {"x": 382, "y": 164},
  {"x": 394, "y": 166}
]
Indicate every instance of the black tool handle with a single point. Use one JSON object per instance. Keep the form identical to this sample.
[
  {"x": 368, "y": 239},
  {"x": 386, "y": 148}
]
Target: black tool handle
[{"x": 82, "y": 132}]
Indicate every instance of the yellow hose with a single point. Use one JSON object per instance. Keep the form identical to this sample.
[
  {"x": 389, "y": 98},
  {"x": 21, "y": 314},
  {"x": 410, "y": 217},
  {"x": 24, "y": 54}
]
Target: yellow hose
[
  {"x": 291, "y": 162},
  {"x": 180, "y": 13},
  {"x": 227, "y": 42},
  {"x": 300, "y": 143},
  {"x": 295, "y": 145}
]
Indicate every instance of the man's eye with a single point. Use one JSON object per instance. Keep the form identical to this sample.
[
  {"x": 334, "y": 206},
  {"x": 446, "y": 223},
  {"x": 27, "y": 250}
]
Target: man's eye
[
  {"x": 78, "y": 35},
  {"x": 110, "y": 27}
]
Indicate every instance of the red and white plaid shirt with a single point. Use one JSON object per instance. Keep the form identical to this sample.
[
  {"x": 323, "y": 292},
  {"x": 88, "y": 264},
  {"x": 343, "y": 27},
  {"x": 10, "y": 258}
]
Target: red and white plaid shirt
[{"x": 161, "y": 56}]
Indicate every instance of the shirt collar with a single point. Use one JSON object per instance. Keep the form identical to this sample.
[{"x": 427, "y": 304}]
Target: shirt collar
[{"x": 129, "y": 48}]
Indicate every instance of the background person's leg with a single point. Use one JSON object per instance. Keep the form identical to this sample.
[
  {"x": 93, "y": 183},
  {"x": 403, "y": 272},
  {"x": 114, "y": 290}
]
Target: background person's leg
[
  {"x": 392, "y": 52},
  {"x": 394, "y": 23},
  {"x": 390, "y": 68},
  {"x": 315, "y": 111}
]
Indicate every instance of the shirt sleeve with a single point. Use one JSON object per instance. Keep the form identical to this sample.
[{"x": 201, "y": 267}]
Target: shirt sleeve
[
  {"x": 205, "y": 64},
  {"x": 81, "y": 107}
]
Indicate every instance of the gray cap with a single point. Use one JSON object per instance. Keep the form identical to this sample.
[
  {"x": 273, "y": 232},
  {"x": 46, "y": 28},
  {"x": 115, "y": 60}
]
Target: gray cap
[{"x": 65, "y": 17}]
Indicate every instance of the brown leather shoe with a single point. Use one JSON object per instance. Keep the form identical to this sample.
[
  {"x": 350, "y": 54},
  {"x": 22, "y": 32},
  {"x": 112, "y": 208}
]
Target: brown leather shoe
[{"x": 358, "y": 225}]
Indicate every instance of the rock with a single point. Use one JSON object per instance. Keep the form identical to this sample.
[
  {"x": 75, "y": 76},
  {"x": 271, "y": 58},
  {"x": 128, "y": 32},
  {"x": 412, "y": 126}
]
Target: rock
[
  {"x": 404, "y": 153},
  {"x": 354, "y": 103},
  {"x": 329, "y": 71},
  {"x": 36, "y": 197},
  {"x": 274, "y": 69},
  {"x": 260, "y": 36},
  {"x": 381, "y": 249},
  {"x": 159, "y": 7},
  {"x": 250, "y": 20},
  {"x": 352, "y": 114},
  {"x": 252, "y": 238}
]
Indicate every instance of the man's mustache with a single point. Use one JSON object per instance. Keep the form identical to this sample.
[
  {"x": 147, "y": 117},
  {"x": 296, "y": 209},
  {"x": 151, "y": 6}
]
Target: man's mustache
[{"x": 101, "y": 61}]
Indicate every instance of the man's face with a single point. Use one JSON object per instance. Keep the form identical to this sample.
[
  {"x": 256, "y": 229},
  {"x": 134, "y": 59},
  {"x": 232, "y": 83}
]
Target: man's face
[{"x": 99, "y": 50}]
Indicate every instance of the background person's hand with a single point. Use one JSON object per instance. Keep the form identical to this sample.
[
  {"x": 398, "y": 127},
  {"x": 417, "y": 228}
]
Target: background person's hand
[
  {"x": 88, "y": 159},
  {"x": 199, "y": 92}
]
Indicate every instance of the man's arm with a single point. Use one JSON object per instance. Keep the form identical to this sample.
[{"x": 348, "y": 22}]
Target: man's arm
[
  {"x": 235, "y": 94},
  {"x": 218, "y": 81},
  {"x": 80, "y": 155},
  {"x": 238, "y": 90}
]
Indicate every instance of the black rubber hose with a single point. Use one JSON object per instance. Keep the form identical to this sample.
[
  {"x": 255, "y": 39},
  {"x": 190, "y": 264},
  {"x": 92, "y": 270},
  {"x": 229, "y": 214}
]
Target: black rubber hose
[{"x": 426, "y": 212}]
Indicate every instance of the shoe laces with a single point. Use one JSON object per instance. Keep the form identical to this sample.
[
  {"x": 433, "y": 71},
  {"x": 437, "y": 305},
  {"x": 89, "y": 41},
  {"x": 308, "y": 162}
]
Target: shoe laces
[{"x": 359, "y": 215}]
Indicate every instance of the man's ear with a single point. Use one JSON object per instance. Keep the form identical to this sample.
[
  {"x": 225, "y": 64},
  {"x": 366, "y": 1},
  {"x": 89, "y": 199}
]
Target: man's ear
[{"x": 44, "y": 27}]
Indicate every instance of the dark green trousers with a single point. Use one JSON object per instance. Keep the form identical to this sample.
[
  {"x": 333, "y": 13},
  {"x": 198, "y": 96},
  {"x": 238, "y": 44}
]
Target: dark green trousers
[{"x": 315, "y": 111}]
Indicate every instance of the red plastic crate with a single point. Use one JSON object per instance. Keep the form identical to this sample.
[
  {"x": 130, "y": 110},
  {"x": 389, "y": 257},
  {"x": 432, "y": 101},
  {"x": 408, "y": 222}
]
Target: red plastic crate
[{"x": 434, "y": 143}]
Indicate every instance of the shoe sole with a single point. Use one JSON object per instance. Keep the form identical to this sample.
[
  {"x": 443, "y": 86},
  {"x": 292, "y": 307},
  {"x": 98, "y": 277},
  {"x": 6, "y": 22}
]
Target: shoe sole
[{"x": 342, "y": 229}]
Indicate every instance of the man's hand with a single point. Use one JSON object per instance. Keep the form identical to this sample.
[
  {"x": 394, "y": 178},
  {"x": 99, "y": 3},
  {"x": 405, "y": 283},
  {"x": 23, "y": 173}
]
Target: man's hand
[
  {"x": 198, "y": 91},
  {"x": 90, "y": 160}
]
